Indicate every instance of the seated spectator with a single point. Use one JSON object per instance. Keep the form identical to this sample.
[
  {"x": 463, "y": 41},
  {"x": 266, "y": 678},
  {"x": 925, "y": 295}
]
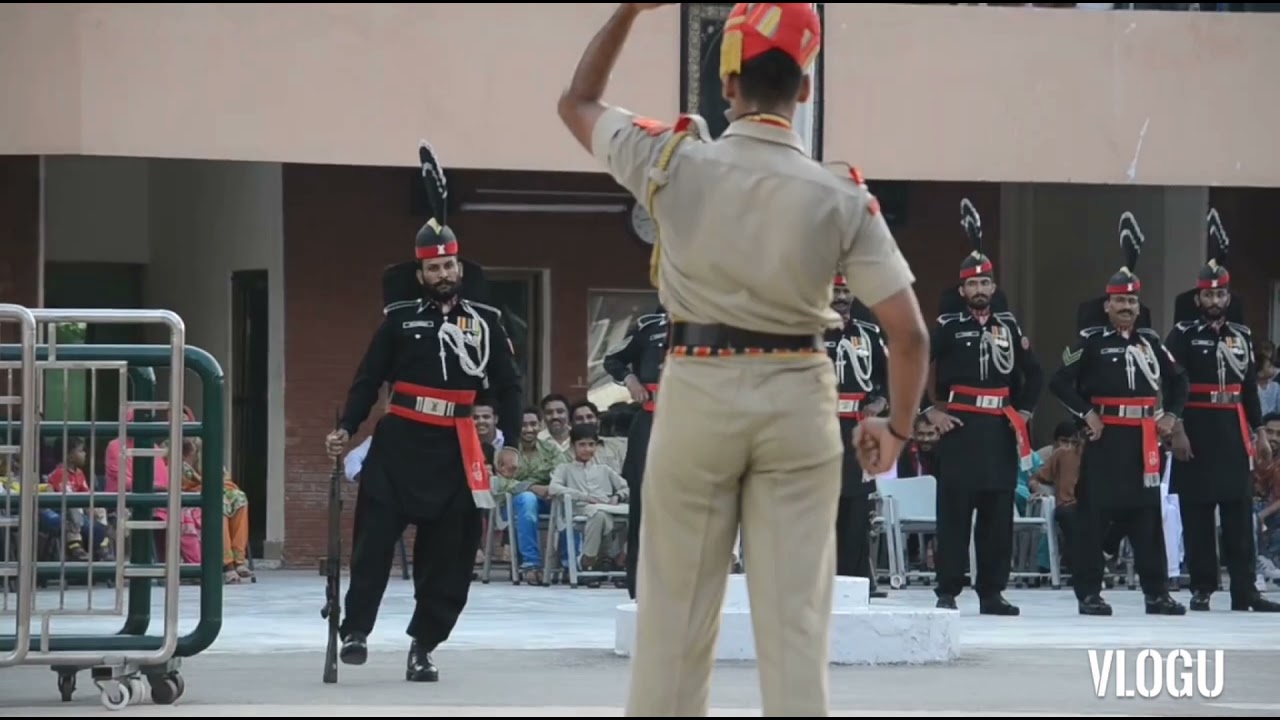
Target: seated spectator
[
  {"x": 609, "y": 450},
  {"x": 917, "y": 456},
  {"x": 529, "y": 488},
  {"x": 80, "y": 530},
  {"x": 597, "y": 491},
  {"x": 235, "y": 513},
  {"x": 1266, "y": 498},
  {"x": 1268, "y": 386},
  {"x": 1060, "y": 476},
  {"x": 555, "y": 420}
]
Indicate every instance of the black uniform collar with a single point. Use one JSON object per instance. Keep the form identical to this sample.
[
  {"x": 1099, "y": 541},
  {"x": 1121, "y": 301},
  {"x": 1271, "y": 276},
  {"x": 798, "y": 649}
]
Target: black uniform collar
[{"x": 425, "y": 303}]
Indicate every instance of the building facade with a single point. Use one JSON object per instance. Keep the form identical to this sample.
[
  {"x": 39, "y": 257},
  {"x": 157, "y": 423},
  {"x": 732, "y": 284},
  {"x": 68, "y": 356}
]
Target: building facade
[{"x": 258, "y": 175}]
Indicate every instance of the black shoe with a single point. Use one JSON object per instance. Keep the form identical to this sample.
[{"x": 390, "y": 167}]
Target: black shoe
[
  {"x": 946, "y": 602},
  {"x": 997, "y": 605},
  {"x": 420, "y": 668},
  {"x": 1163, "y": 604},
  {"x": 1200, "y": 601},
  {"x": 355, "y": 649},
  {"x": 1254, "y": 602},
  {"x": 1094, "y": 605}
]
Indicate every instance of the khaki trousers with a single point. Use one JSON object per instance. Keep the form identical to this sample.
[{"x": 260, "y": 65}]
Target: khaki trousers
[{"x": 750, "y": 440}]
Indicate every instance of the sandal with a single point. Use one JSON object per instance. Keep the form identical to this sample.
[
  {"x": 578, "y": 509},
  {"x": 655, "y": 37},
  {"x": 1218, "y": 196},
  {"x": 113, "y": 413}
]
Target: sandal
[
  {"x": 243, "y": 571},
  {"x": 532, "y": 577},
  {"x": 231, "y": 577}
]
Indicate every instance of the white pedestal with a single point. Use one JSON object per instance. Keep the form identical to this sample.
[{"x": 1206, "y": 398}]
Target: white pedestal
[{"x": 860, "y": 633}]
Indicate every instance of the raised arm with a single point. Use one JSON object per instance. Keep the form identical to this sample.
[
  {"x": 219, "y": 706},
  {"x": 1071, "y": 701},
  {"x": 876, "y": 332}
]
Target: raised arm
[{"x": 624, "y": 143}]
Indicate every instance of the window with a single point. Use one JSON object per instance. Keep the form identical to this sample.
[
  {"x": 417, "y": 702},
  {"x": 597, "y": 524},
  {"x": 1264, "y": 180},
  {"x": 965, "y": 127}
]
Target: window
[{"x": 609, "y": 314}]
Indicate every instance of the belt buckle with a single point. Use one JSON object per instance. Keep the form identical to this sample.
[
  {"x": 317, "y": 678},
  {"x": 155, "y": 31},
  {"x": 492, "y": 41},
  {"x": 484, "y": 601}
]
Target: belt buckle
[
  {"x": 1132, "y": 412},
  {"x": 433, "y": 406},
  {"x": 988, "y": 402},
  {"x": 1222, "y": 397},
  {"x": 846, "y": 405}
]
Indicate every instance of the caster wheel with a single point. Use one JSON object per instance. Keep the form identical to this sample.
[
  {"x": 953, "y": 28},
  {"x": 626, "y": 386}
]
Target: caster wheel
[
  {"x": 137, "y": 690},
  {"x": 115, "y": 696},
  {"x": 896, "y": 582},
  {"x": 66, "y": 686},
  {"x": 166, "y": 690},
  {"x": 484, "y": 581}
]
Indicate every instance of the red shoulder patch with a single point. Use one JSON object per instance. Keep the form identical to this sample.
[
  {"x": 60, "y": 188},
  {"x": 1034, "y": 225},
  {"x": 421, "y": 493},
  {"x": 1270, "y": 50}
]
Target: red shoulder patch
[
  {"x": 857, "y": 176},
  {"x": 651, "y": 126},
  {"x": 873, "y": 206}
]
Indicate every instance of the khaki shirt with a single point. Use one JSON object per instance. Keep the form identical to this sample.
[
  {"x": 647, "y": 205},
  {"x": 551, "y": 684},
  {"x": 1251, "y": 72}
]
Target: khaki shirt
[{"x": 753, "y": 229}]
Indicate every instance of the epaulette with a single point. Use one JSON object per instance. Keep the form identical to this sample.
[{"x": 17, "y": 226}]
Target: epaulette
[
  {"x": 845, "y": 171},
  {"x": 401, "y": 305},
  {"x": 1009, "y": 317},
  {"x": 645, "y": 321},
  {"x": 1091, "y": 331},
  {"x": 1242, "y": 329},
  {"x": 694, "y": 125},
  {"x": 1149, "y": 333},
  {"x": 950, "y": 317},
  {"x": 483, "y": 306},
  {"x": 867, "y": 325}
]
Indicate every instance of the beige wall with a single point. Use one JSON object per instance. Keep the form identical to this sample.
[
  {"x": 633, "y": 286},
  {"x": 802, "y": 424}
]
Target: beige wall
[
  {"x": 193, "y": 224},
  {"x": 914, "y": 92}
]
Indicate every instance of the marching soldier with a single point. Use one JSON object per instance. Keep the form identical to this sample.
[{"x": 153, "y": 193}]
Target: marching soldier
[
  {"x": 1223, "y": 415},
  {"x": 988, "y": 384},
  {"x": 745, "y": 434},
  {"x": 425, "y": 465},
  {"x": 637, "y": 364},
  {"x": 1110, "y": 379},
  {"x": 857, "y": 349}
]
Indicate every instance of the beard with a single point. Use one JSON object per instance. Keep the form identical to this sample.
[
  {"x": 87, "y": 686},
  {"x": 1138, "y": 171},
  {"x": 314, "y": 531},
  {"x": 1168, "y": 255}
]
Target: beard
[
  {"x": 840, "y": 306},
  {"x": 980, "y": 302},
  {"x": 441, "y": 290},
  {"x": 1212, "y": 312}
]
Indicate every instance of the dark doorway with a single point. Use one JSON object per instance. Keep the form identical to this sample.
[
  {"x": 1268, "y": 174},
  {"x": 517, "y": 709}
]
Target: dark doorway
[
  {"x": 249, "y": 344},
  {"x": 518, "y": 294}
]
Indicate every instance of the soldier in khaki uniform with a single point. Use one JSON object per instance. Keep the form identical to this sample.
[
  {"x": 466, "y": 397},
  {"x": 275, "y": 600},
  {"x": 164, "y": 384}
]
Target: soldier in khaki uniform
[{"x": 747, "y": 432}]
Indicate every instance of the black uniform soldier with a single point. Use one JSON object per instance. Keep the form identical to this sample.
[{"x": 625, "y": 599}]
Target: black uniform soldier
[
  {"x": 637, "y": 364},
  {"x": 1222, "y": 415},
  {"x": 988, "y": 384},
  {"x": 425, "y": 465},
  {"x": 1111, "y": 378},
  {"x": 857, "y": 349}
]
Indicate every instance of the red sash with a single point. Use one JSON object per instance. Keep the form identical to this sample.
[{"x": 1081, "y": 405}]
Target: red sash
[
  {"x": 994, "y": 401},
  {"x": 448, "y": 408},
  {"x": 849, "y": 406},
  {"x": 1136, "y": 412},
  {"x": 1207, "y": 396},
  {"x": 651, "y": 403}
]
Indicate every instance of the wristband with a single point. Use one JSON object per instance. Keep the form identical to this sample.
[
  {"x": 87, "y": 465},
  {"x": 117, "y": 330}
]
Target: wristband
[{"x": 896, "y": 434}]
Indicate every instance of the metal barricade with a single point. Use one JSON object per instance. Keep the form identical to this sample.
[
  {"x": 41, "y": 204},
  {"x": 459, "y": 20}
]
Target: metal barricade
[
  {"x": 17, "y": 542},
  {"x": 119, "y": 662}
]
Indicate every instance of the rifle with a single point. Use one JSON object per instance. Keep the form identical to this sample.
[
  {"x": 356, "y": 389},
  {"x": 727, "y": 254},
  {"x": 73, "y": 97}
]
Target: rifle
[{"x": 331, "y": 568}]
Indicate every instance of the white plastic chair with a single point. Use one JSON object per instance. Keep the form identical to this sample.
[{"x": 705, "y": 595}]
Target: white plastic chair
[{"x": 910, "y": 505}]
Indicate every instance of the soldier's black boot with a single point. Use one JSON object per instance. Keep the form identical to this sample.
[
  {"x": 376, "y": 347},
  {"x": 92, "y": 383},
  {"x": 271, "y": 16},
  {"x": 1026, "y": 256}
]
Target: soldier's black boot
[
  {"x": 946, "y": 602},
  {"x": 355, "y": 649},
  {"x": 1094, "y": 605},
  {"x": 1200, "y": 601},
  {"x": 1255, "y": 602},
  {"x": 420, "y": 668},
  {"x": 1164, "y": 604},
  {"x": 997, "y": 605}
]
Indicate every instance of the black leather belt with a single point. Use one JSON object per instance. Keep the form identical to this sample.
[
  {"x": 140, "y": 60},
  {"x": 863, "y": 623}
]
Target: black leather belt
[
  {"x": 431, "y": 406},
  {"x": 716, "y": 339}
]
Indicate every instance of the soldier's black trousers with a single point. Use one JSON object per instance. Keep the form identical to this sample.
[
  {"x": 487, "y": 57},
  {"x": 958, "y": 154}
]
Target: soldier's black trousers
[
  {"x": 992, "y": 532},
  {"x": 444, "y": 556},
  {"x": 853, "y": 537},
  {"x": 1238, "y": 552},
  {"x": 633, "y": 472},
  {"x": 1145, "y": 530}
]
